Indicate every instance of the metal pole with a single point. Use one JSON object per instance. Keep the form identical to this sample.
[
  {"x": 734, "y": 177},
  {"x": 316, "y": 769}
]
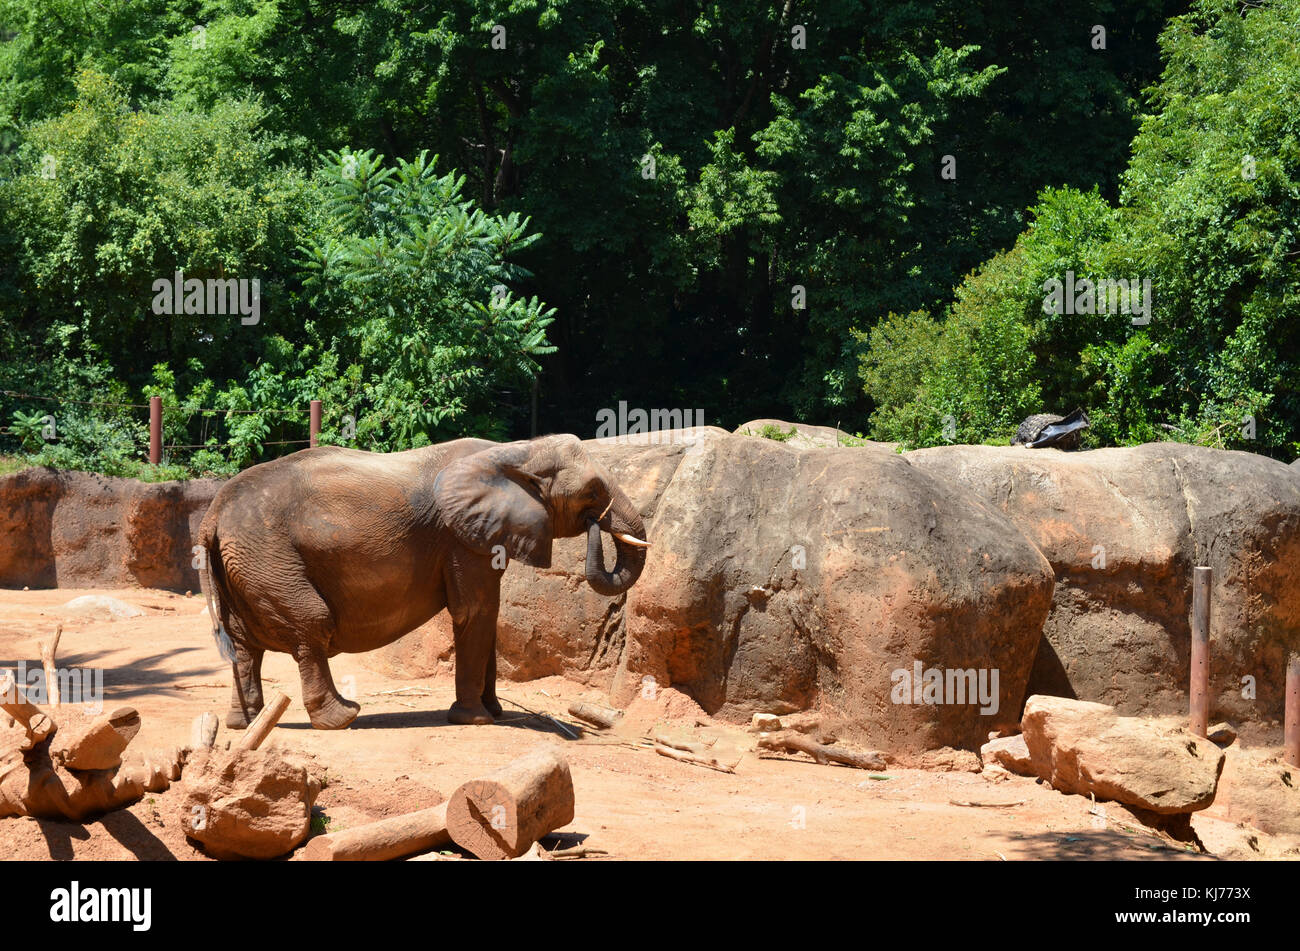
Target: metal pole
[
  {"x": 315, "y": 422},
  {"x": 1200, "y": 691},
  {"x": 1291, "y": 732},
  {"x": 155, "y": 430}
]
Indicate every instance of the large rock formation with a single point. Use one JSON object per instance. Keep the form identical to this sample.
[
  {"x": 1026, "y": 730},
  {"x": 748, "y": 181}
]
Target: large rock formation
[
  {"x": 78, "y": 529},
  {"x": 781, "y": 579},
  {"x": 1123, "y": 529}
]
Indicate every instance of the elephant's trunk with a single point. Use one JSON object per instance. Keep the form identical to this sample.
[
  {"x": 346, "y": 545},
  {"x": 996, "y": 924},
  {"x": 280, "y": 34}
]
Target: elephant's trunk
[{"x": 621, "y": 519}]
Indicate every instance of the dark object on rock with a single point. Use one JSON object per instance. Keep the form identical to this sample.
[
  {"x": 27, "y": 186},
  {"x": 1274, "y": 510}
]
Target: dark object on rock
[{"x": 1046, "y": 429}]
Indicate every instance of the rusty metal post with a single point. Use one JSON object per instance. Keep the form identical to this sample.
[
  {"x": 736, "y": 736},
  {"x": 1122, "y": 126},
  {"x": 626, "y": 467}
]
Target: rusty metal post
[
  {"x": 315, "y": 422},
  {"x": 155, "y": 430},
  {"x": 1199, "y": 699},
  {"x": 1291, "y": 731}
]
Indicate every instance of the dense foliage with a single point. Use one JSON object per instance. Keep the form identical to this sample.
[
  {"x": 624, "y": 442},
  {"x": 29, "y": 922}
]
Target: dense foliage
[
  {"x": 1207, "y": 212},
  {"x": 464, "y": 216}
]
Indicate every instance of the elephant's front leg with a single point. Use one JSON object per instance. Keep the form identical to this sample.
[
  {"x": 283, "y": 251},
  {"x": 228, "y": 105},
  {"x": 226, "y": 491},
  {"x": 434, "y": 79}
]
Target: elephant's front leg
[
  {"x": 473, "y": 597},
  {"x": 327, "y": 709},
  {"x": 246, "y": 693},
  {"x": 490, "y": 702}
]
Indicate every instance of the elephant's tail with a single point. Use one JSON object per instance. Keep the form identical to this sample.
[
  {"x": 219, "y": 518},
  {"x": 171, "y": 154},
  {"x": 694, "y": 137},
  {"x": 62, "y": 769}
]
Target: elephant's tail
[{"x": 212, "y": 578}]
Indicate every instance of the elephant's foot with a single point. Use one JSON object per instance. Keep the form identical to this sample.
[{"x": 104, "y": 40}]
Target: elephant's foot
[
  {"x": 238, "y": 718},
  {"x": 466, "y": 715},
  {"x": 492, "y": 707},
  {"x": 334, "y": 713}
]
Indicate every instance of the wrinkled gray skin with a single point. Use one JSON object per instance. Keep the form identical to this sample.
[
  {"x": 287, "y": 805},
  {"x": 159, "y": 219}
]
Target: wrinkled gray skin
[{"x": 334, "y": 550}]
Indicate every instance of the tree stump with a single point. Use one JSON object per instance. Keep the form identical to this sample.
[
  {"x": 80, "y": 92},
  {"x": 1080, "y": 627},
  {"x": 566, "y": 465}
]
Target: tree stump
[{"x": 501, "y": 815}]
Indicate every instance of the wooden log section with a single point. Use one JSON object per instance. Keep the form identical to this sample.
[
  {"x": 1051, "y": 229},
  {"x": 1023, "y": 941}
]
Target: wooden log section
[
  {"x": 265, "y": 722},
  {"x": 381, "y": 841},
  {"x": 603, "y": 717},
  {"x": 797, "y": 742},
  {"x": 35, "y": 721},
  {"x": 501, "y": 815}
]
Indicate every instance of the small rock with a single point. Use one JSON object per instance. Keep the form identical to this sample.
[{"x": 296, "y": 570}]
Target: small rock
[
  {"x": 102, "y": 606},
  {"x": 247, "y": 803},
  {"x": 947, "y": 759},
  {"x": 765, "y": 723},
  {"x": 1009, "y": 753},
  {"x": 1223, "y": 734}
]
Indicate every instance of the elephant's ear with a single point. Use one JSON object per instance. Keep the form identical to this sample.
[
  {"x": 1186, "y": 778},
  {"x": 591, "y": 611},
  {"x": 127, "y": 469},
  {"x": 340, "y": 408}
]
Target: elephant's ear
[{"x": 490, "y": 498}]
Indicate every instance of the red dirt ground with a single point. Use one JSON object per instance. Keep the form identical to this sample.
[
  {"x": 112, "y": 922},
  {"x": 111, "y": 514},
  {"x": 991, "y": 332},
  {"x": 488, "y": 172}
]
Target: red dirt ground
[{"x": 401, "y": 753}]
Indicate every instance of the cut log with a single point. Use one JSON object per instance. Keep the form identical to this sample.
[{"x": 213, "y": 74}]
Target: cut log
[
  {"x": 97, "y": 743},
  {"x": 603, "y": 717},
  {"x": 265, "y": 722},
  {"x": 381, "y": 841},
  {"x": 501, "y": 815},
  {"x": 789, "y": 741},
  {"x": 38, "y": 724}
]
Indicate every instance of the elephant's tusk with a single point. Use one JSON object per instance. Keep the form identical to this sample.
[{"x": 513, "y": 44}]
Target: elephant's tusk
[{"x": 631, "y": 540}]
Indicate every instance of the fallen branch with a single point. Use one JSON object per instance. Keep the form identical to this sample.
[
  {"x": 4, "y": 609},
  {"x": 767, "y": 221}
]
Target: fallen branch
[
  {"x": 684, "y": 756},
  {"x": 577, "y": 852},
  {"x": 985, "y": 805},
  {"x": 790, "y": 741},
  {"x": 677, "y": 743},
  {"x": 48, "y": 652},
  {"x": 544, "y": 716}
]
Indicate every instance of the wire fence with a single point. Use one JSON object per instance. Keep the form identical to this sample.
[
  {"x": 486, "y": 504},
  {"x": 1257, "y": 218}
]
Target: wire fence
[{"x": 155, "y": 407}]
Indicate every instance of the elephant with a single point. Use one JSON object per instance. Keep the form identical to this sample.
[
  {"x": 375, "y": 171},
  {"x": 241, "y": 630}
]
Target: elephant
[{"x": 334, "y": 550}]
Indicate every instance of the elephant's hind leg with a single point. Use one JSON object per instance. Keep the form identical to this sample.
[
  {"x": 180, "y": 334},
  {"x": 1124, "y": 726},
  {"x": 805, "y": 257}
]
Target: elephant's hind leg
[
  {"x": 246, "y": 692},
  {"x": 302, "y": 621},
  {"x": 327, "y": 709}
]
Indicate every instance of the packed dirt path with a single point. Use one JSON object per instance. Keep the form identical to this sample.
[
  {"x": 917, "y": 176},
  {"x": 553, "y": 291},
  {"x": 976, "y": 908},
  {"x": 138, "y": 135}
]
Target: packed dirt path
[{"x": 401, "y": 754}]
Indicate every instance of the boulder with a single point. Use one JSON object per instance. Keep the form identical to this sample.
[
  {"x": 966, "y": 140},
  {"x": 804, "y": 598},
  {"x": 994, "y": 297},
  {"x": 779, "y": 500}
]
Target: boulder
[
  {"x": 1260, "y": 790},
  {"x": 1123, "y": 529},
  {"x": 779, "y": 579},
  {"x": 79, "y": 529},
  {"x": 247, "y": 803},
  {"x": 1087, "y": 748}
]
